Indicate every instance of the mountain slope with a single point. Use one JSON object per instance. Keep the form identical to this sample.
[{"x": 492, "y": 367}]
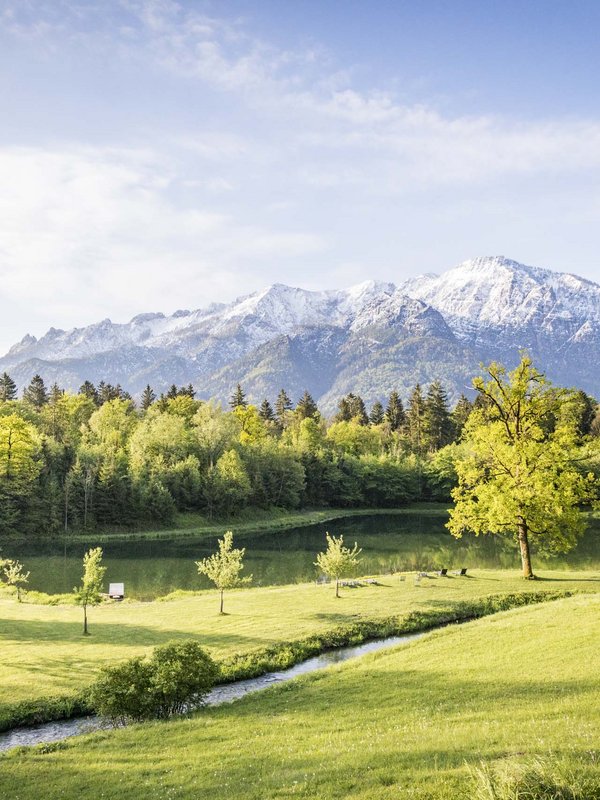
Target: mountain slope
[{"x": 369, "y": 338}]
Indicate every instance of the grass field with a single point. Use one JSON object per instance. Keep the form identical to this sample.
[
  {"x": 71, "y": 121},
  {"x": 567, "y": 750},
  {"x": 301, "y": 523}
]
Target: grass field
[
  {"x": 44, "y": 654},
  {"x": 407, "y": 723}
]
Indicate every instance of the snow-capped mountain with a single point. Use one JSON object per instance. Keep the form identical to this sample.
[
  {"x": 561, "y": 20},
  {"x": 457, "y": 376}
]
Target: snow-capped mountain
[{"x": 370, "y": 338}]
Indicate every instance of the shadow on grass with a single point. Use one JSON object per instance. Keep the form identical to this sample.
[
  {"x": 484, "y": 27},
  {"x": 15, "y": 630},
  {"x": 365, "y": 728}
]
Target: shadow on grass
[{"x": 106, "y": 633}]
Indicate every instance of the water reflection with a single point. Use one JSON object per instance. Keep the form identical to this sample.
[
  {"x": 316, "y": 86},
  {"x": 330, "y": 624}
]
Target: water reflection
[{"x": 414, "y": 541}]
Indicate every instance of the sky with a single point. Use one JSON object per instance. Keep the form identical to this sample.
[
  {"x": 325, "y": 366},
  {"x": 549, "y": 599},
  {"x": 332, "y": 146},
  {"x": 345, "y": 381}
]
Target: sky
[{"x": 157, "y": 155}]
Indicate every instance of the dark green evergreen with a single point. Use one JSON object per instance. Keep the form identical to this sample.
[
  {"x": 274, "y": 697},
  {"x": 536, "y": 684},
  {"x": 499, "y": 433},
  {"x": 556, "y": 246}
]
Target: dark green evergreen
[
  {"x": 88, "y": 389},
  {"x": 437, "y": 428},
  {"x": 8, "y": 388},
  {"x": 238, "y": 398},
  {"x": 148, "y": 397},
  {"x": 36, "y": 393},
  {"x": 394, "y": 413},
  {"x": 377, "y": 415},
  {"x": 283, "y": 404},
  {"x": 266, "y": 411},
  {"x": 306, "y": 407}
]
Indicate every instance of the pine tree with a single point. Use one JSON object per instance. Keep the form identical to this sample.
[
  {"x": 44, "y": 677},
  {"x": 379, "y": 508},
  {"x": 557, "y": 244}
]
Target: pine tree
[
  {"x": 306, "y": 407},
  {"x": 238, "y": 398},
  {"x": 55, "y": 394},
  {"x": 266, "y": 411},
  {"x": 394, "y": 413},
  {"x": 188, "y": 390},
  {"x": 88, "y": 389},
  {"x": 414, "y": 419},
  {"x": 352, "y": 407},
  {"x": 460, "y": 415},
  {"x": 36, "y": 393},
  {"x": 173, "y": 392},
  {"x": 377, "y": 414},
  {"x": 437, "y": 423},
  {"x": 148, "y": 397},
  {"x": 283, "y": 404},
  {"x": 8, "y": 388}
]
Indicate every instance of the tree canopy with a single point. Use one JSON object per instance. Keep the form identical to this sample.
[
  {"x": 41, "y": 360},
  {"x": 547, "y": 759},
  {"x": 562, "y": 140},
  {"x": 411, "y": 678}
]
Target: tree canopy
[{"x": 519, "y": 472}]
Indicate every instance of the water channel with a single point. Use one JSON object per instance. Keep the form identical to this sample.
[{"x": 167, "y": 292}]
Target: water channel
[{"x": 63, "y": 729}]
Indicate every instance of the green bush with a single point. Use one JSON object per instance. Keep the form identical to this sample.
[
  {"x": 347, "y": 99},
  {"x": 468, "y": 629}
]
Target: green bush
[{"x": 176, "y": 678}]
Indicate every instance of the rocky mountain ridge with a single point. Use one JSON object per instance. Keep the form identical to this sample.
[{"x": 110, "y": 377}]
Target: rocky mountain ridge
[{"x": 369, "y": 338}]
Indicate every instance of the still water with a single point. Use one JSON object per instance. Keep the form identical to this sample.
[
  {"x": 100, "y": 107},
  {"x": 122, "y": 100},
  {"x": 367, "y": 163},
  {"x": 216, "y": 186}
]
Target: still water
[{"x": 412, "y": 541}]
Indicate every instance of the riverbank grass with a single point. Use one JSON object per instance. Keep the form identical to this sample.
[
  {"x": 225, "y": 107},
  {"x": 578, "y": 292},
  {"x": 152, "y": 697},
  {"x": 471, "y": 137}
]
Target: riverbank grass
[
  {"x": 43, "y": 653},
  {"x": 494, "y": 695}
]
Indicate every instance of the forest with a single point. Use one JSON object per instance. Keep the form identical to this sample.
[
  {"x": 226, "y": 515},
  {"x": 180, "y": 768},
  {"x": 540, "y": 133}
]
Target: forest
[{"x": 99, "y": 460}]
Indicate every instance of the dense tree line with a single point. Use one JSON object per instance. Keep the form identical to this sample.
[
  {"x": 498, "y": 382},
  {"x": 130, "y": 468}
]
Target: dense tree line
[{"x": 98, "y": 459}]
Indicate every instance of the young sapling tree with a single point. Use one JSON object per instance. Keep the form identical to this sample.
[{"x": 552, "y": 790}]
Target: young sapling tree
[
  {"x": 14, "y": 576},
  {"x": 223, "y": 568},
  {"x": 338, "y": 561},
  {"x": 89, "y": 593}
]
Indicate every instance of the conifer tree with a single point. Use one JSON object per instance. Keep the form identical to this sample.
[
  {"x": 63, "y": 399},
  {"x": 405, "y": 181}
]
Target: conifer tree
[
  {"x": 36, "y": 393},
  {"x": 414, "y": 419},
  {"x": 437, "y": 423},
  {"x": 460, "y": 415},
  {"x": 377, "y": 415},
  {"x": 87, "y": 389},
  {"x": 173, "y": 392},
  {"x": 189, "y": 391},
  {"x": 8, "y": 388},
  {"x": 306, "y": 407},
  {"x": 283, "y": 404},
  {"x": 148, "y": 397},
  {"x": 55, "y": 393},
  {"x": 238, "y": 398},
  {"x": 394, "y": 413},
  {"x": 352, "y": 407},
  {"x": 266, "y": 411}
]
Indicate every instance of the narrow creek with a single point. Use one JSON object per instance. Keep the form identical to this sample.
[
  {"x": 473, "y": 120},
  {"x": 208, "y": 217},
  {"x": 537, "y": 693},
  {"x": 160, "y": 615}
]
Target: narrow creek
[{"x": 63, "y": 729}]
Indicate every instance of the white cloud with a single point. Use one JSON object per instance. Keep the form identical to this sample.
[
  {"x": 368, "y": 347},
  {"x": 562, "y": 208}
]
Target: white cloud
[{"x": 96, "y": 229}]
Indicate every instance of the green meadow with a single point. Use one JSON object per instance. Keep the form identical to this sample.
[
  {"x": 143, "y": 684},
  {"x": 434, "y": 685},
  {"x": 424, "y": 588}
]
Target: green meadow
[
  {"x": 44, "y": 654},
  {"x": 514, "y": 688}
]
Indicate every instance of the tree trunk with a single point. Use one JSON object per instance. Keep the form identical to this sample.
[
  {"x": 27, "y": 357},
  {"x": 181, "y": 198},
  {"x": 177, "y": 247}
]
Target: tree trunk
[
  {"x": 524, "y": 548},
  {"x": 85, "y": 628},
  {"x": 221, "y": 609},
  {"x": 337, "y": 587}
]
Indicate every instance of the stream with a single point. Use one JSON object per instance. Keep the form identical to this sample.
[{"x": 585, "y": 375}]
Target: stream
[{"x": 63, "y": 729}]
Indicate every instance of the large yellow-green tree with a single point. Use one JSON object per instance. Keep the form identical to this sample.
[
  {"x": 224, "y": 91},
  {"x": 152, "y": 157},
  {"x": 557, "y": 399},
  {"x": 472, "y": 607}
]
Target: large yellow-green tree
[{"x": 518, "y": 472}]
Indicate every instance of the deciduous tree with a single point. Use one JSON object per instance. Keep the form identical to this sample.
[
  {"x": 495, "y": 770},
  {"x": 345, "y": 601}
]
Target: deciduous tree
[
  {"x": 517, "y": 473},
  {"x": 224, "y": 568}
]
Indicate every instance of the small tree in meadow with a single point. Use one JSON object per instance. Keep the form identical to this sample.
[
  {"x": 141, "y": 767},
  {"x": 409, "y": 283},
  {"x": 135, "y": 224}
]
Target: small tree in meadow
[
  {"x": 223, "y": 568},
  {"x": 338, "y": 561},
  {"x": 90, "y": 591},
  {"x": 14, "y": 576}
]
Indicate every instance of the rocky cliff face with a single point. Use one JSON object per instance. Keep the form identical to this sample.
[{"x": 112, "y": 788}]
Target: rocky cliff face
[{"x": 370, "y": 338}]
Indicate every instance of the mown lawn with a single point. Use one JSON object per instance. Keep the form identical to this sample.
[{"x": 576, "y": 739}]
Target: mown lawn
[
  {"x": 42, "y": 651},
  {"x": 407, "y": 723}
]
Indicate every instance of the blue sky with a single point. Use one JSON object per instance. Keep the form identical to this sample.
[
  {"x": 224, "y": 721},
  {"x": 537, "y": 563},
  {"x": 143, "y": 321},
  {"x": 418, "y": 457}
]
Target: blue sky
[{"x": 156, "y": 155}]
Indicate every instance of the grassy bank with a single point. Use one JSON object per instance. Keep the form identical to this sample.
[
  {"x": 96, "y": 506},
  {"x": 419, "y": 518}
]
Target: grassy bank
[
  {"x": 44, "y": 655},
  {"x": 410, "y": 723},
  {"x": 198, "y": 526}
]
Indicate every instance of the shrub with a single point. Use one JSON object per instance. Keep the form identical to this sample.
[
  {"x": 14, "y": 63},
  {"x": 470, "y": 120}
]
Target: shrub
[{"x": 176, "y": 678}]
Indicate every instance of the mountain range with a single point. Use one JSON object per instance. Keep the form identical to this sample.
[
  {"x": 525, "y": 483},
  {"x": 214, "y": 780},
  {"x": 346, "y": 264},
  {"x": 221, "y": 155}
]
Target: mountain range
[{"x": 369, "y": 339}]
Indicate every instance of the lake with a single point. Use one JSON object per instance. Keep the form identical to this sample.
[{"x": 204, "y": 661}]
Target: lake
[{"x": 412, "y": 541}]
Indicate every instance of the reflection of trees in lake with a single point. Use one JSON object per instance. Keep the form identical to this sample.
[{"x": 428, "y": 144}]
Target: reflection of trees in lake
[{"x": 406, "y": 543}]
